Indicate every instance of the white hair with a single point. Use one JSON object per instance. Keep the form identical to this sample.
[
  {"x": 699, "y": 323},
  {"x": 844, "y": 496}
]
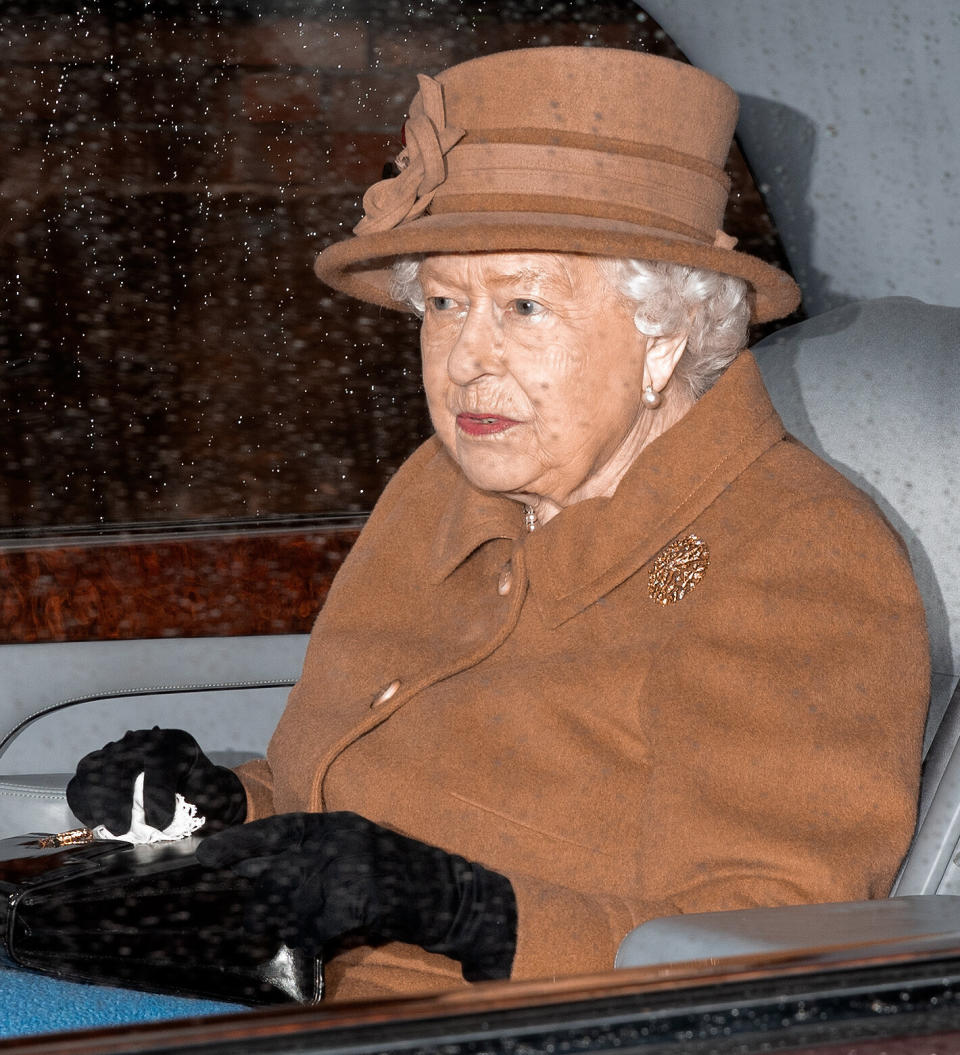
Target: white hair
[
  {"x": 714, "y": 310},
  {"x": 405, "y": 285},
  {"x": 667, "y": 298}
]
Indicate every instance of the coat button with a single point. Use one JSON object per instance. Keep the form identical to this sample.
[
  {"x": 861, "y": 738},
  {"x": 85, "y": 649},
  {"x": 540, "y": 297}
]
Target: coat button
[
  {"x": 506, "y": 581},
  {"x": 386, "y": 694}
]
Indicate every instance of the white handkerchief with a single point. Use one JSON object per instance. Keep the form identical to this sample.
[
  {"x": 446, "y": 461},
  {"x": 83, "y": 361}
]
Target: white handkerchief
[{"x": 185, "y": 821}]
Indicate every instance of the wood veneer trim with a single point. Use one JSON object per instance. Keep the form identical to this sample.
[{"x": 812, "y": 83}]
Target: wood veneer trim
[{"x": 187, "y": 587}]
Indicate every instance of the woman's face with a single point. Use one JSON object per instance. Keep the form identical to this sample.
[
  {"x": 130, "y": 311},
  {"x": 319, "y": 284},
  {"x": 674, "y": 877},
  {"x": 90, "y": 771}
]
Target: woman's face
[{"x": 533, "y": 371}]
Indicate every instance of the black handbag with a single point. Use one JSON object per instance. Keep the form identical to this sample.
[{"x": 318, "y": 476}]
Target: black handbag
[{"x": 147, "y": 917}]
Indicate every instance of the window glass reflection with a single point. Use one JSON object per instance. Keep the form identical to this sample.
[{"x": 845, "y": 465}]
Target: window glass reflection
[{"x": 171, "y": 171}]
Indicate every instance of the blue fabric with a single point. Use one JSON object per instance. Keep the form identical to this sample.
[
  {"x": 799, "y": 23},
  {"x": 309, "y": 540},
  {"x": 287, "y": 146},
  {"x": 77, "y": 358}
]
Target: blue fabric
[{"x": 33, "y": 1003}]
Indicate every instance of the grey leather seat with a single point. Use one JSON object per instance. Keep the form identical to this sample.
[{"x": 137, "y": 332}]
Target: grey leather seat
[
  {"x": 873, "y": 388},
  {"x": 59, "y": 701}
]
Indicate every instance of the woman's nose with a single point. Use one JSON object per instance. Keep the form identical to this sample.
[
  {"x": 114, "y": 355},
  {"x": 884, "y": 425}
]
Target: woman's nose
[{"x": 476, "y": 351}]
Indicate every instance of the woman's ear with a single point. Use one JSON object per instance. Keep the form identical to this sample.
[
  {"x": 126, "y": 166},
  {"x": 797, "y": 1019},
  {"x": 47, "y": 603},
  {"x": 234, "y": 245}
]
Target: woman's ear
[{"x": 661, "y": 358}]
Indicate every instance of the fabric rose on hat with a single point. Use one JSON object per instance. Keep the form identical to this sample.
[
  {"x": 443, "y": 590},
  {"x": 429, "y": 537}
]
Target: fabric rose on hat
[{"x": 422, "y": 169}]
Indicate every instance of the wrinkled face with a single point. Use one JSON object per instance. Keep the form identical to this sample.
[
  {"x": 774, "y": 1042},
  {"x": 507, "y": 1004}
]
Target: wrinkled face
[{"x": 533, "y": 370}]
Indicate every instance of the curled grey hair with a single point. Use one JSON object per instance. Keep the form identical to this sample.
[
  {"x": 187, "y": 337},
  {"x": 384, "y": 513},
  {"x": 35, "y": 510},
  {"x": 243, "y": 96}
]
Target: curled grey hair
[
  {"x": 714, "y": 309},
  {"x": 405, "y": 286},
  {"x": 668, "y": 298}
]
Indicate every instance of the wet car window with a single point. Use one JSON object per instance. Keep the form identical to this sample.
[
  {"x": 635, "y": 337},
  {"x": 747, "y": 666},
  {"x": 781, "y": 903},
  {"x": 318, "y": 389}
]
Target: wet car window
[{"x": 170, "y": 172}]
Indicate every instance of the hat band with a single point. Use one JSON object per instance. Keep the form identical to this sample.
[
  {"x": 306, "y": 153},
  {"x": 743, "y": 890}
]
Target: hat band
[
  {"x": 555, "y": 137},
  {"x": 565, "y": 206},
  {"x": 668, "y": 195}
]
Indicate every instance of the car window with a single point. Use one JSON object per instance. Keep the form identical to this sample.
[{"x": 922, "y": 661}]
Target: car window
[
  {"x": 170, "y": 172},
  {"x": 170, "y": 360}
]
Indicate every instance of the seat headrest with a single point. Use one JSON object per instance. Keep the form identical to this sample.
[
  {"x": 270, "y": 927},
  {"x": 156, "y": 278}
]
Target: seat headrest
[{"x": 873, "y": 387}]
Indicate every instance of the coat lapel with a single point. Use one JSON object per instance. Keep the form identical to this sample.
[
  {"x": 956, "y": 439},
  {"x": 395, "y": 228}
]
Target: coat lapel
[{"x": 592, "y": 547}]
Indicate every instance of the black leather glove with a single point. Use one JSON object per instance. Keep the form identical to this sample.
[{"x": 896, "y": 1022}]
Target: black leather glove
[
  {"x": 322, "y": 876},
  {"x": 101, "y": 791}
]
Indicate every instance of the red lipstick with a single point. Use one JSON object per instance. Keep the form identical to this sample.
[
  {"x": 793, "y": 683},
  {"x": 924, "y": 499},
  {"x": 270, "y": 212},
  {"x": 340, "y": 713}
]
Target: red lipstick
[{"x": 484, "y": 424}]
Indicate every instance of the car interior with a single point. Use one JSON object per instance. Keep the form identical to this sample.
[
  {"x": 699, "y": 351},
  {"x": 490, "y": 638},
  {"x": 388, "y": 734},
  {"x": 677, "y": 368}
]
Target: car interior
[
  {"x": 61, "y": 700},
  {"x": 202, "y": 622}
]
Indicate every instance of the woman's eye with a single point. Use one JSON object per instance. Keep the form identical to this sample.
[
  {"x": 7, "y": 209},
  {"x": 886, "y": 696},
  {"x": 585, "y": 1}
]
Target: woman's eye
[
  {"x": 522, "y": 306},
  {"x": 440, "y": 303}
]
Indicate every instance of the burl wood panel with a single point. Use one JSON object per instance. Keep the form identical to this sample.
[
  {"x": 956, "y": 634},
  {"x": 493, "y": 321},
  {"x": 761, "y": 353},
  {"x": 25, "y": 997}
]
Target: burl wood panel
[{"x": 236, "y": 584}]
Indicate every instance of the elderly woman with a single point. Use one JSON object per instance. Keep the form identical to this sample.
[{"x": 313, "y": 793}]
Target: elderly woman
[{"x": 612, "y": 645}]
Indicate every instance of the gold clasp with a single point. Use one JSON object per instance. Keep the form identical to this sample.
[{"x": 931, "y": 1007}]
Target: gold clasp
[{"x": 74, "y": 837}]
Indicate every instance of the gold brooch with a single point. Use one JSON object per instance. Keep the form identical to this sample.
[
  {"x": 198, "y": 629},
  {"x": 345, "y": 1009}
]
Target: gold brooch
[{"x": 677, "y": 569}]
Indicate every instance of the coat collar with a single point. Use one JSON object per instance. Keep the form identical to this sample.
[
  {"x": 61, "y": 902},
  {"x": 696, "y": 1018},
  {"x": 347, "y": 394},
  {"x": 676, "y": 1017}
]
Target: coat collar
[
  {"x": 470, "y": 518},
  {"x": 593, "y": 546}
]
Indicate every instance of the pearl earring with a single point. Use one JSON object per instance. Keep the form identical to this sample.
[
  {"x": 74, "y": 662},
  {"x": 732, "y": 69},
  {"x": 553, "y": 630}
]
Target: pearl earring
[{"x": 651, "y": 398}]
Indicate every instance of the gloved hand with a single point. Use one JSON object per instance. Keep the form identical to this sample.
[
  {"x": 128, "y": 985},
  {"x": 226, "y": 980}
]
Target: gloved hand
[
  {"x": 321, "y": 876},
  {"x": 101, "y": 791}
]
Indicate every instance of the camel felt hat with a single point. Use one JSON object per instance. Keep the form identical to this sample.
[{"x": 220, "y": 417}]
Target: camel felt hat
[{"x": 569, "y": 150}]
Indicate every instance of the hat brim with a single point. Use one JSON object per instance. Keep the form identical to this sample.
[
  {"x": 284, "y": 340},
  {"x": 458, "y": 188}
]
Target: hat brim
[{"x": 361, "y": 266}]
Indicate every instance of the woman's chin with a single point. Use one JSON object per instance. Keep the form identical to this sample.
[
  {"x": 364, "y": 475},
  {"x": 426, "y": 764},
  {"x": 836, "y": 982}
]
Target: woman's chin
[{"x": 498, "y": 477}]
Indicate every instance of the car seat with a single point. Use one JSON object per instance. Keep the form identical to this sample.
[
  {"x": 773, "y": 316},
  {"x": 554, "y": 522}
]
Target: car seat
[{"x": 872, "y": 387}]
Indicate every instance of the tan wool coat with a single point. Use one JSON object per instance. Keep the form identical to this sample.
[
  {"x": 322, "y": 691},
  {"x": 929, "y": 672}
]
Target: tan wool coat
[{"x": 519, "y": 698}]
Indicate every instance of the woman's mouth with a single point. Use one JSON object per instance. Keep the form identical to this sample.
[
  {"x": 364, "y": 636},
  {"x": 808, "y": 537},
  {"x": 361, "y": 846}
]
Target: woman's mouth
[{"x": 483, "y": 424}]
